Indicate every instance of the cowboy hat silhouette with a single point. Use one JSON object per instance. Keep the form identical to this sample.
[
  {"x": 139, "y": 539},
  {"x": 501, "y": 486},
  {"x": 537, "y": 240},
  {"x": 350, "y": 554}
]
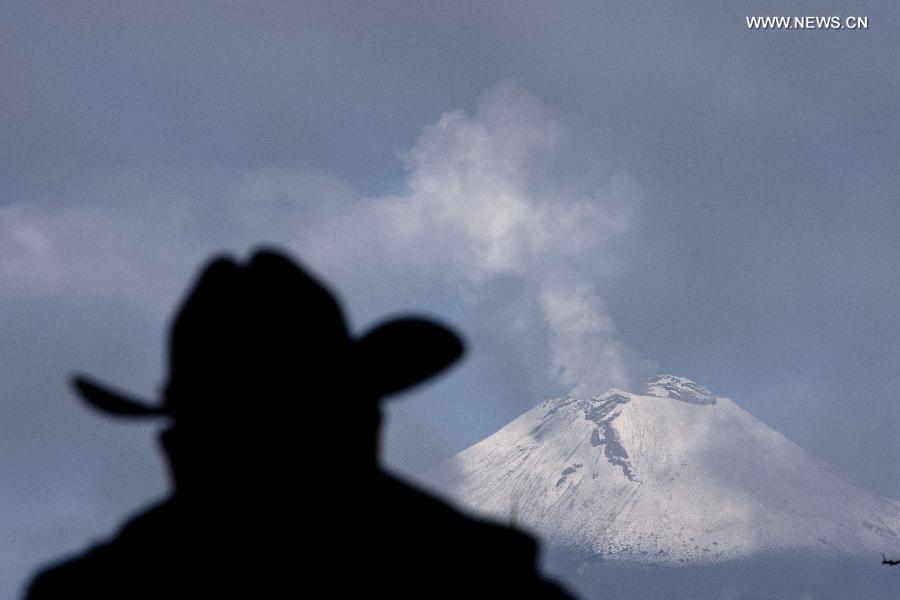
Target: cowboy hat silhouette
[{"x": 246, "y": 326}]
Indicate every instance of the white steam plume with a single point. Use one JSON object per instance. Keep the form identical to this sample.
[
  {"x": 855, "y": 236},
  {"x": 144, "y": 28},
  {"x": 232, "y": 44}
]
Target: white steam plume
[{"x": 509, "y": 204}]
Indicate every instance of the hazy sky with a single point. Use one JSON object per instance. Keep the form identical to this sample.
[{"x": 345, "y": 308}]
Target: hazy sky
[{"x": 592, "y": 192}]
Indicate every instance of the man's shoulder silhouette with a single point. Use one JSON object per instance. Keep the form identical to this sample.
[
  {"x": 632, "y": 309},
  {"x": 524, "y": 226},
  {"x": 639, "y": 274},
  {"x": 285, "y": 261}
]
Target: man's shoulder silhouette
[
  {"x": 113, "y": 567},
  {"x": 160, "y": 554},
  {"x": 404, "y": 544},
  {"x": 416, "y": 542}
]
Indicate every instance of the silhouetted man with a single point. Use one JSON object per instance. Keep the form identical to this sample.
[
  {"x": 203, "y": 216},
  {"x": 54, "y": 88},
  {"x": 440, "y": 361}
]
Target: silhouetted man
[{"x": 272, "y": 444}]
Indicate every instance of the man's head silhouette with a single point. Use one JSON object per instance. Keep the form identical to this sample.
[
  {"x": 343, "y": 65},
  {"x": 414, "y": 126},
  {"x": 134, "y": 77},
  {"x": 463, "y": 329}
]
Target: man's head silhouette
[
  {"x": 273, "y": 410},
  {"x": 259, "y": 354}
]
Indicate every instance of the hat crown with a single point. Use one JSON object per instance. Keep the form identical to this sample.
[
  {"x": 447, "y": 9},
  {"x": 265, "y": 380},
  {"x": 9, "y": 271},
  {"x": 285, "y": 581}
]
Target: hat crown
[{"x": 251, "y": 326}]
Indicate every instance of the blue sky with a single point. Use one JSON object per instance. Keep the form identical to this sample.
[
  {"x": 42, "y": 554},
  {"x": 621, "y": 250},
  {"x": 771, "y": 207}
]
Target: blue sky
[{"x": 592, "y": 193}]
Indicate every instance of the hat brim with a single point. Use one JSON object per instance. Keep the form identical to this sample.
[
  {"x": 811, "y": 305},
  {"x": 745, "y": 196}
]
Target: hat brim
[
  {"x": 404, "y": 352},
  {"x": 107, "y": 400},
  {"x": 392, "y": 357}
]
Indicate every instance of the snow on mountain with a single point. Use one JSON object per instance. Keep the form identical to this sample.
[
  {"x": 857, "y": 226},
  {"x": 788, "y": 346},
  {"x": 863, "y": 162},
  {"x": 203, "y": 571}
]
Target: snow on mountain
[{"x": 678, "y": 475}]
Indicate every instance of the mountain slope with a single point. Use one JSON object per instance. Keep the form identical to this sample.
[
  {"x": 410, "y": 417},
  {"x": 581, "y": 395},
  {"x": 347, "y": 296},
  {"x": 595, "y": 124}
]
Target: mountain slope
[{"x": 677, "y": 475}]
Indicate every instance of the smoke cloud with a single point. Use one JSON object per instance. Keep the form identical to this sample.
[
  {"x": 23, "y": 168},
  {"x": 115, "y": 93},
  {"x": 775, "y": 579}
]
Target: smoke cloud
[
  {"x": 509, "y": 207},
  {"x": 492, "y": 199}
]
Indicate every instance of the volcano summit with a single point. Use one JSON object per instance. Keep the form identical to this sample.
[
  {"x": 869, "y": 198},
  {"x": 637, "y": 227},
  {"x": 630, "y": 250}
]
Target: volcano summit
[{"x": 675, "y": 475}]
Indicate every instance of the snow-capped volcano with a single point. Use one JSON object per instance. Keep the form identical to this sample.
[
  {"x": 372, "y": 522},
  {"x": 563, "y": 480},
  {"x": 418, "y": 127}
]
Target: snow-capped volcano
[{"x": 677, "y": 475}]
